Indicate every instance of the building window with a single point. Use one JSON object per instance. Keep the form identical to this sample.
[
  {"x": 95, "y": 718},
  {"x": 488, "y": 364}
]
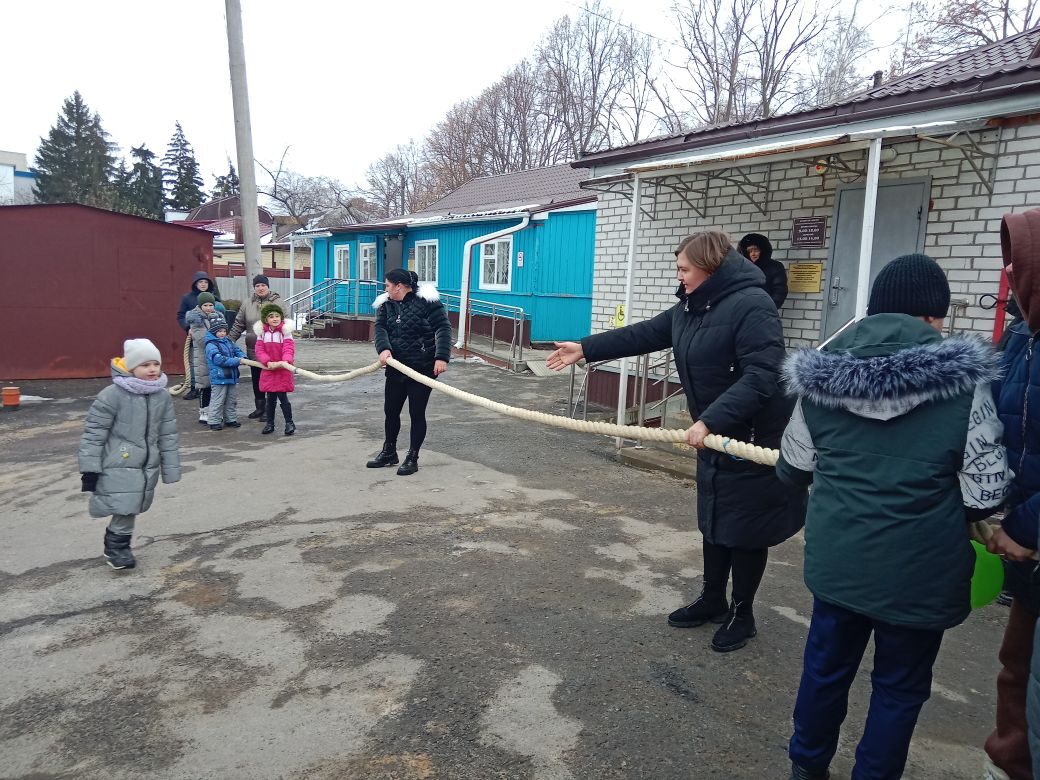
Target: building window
[
  {"x": 496, "y": 259},
  {"x": 426, "y": 261},
  {"x": 368, "y": 261},
  {"x": 341, "y": 263}
]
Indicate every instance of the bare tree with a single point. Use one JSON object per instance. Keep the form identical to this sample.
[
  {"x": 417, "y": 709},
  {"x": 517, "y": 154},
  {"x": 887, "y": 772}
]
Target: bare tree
[
  {"x": 585, "y": 66},
  {"x": 400, "y": 182},
  {"x": 313, "y": 199},
  {"x": 833, "y": 72},
  {"x": 716, "y": 77},
  {"x": 938, "y": 30},
  {"x": 781, "y": 40}
]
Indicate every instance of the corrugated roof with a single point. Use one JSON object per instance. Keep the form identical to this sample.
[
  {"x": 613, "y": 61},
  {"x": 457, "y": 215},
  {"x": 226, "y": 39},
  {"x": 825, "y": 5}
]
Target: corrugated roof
[
  {"x": 540, "y": 186},
  {"x": 951, "y": 79}
]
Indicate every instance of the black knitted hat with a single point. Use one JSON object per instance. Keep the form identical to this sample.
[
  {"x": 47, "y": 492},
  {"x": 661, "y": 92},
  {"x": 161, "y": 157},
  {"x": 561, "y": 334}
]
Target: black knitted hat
[
  {"x": 261, "y": 279},
  {"x": 911, "y": 284}
]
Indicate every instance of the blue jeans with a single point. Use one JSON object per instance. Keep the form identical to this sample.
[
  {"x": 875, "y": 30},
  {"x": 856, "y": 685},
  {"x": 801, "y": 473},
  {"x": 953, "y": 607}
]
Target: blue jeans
[{"x": 901, "y": 682}]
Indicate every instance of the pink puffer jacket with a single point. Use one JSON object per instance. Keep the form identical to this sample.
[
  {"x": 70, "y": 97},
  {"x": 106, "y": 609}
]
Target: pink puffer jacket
[{"x": 274, "y": 345}]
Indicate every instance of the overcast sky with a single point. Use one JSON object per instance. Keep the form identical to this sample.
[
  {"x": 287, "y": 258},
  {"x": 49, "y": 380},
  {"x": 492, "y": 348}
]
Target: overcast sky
[{"x": 340, "y": 83}]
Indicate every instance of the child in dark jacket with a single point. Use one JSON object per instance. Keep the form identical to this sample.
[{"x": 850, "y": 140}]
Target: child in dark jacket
[
  {"x": 223, "y": 359},
  {"x": 896, "y": 429},
  {"x": 130, "y": 439}
]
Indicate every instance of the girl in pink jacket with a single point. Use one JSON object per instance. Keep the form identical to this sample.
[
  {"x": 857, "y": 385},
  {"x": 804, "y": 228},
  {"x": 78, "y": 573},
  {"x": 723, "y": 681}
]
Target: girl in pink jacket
[{"x": 276, "y": 349}]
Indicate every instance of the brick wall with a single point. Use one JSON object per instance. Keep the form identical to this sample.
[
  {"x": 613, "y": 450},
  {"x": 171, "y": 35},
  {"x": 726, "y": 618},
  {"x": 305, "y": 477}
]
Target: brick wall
[{"x": 962, "y": 233}]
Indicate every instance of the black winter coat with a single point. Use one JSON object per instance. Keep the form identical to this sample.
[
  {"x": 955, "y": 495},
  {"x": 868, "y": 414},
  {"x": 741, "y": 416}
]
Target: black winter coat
[
  {"x": 728, "y": 345},
  {"x": 191, "y": 299},
  {"x": 416, "y": 330},
  {"x": 776, "y": 274}
]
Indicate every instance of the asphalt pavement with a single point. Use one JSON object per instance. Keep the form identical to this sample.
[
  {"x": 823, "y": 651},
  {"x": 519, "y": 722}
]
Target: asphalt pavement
[{"x": 500, "y": 614}]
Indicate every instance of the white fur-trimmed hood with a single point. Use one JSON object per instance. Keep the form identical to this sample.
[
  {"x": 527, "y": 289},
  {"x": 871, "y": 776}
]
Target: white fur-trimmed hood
[
  {"x": 258, "y": 329},
  {"x": 427, "y": 291}
]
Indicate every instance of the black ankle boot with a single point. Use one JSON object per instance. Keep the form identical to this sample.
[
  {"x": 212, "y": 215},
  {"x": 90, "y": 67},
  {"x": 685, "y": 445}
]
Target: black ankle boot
[
  {"x": 258, "y": 413},
  {"x": 737, "y": 630},
  {"x": 707, "y": 607},
  {"x": 410, "y": 465},
  {"x": 117, "y": 551},
  {"x": 386, "y": 457}
]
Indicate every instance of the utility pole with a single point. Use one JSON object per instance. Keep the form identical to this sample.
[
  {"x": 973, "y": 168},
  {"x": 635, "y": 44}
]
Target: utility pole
[{"x": 243, "y": 139}]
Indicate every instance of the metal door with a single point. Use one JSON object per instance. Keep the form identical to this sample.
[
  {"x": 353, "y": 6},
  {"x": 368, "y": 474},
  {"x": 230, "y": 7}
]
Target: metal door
[
  {"x": 393, "y": 247},
  {"x": 900, "y": 224}
]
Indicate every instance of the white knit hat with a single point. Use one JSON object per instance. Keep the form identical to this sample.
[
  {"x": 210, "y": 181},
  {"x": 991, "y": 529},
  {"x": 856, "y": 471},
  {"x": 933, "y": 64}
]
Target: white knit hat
[{"x": 138, "y": 351}]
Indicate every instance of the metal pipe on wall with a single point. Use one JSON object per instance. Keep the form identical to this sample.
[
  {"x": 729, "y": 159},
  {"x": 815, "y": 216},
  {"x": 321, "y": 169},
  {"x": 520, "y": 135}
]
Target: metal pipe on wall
[
  {"x": 866, "y": 244},
  {"x": 633, "y": 234}
]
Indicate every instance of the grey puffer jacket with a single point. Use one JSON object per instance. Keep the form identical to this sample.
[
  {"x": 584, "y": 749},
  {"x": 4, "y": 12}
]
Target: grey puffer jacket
[
  {"x": 199, "y": 324},
  {"x": 130, "y": 436}
]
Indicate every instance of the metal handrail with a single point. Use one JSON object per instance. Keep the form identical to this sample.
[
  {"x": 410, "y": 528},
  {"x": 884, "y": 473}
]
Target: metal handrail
[
  {"x": 319, "y": 303},
  {"x": 515, "y": 314}
]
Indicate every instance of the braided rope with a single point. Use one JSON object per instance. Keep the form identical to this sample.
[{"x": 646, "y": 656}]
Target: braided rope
[
  {"x": 178, "y": 390},
  {"x": 981, "y": 531}
]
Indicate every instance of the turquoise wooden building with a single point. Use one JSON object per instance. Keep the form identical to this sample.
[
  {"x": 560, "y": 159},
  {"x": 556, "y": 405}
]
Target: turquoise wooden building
[{"x": 527, "y": 238}]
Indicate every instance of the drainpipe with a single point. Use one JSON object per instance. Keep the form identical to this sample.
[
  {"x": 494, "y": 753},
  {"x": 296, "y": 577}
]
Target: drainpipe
[
  {"x": 866, "y": 243},
  {"x": 467, "y": 252},
  {"x": 633, "y": 233},
  {"x": 292, "y": 265}
]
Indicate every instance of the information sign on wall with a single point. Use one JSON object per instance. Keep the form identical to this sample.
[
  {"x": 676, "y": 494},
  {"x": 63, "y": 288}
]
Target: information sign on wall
[
  {"x": 805, "y": 277},
  {"x": 810, "y": 232}
]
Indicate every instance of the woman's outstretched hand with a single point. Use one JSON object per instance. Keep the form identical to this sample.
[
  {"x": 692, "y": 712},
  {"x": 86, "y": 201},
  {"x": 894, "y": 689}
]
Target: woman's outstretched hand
[
  {"x": 439, "y": 367},
  {"x": 384, "y": 356},
  {"x": 567, "y": 353}
]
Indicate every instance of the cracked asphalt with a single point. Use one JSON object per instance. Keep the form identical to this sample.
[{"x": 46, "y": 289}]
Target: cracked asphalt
[{"x": 501, "y": 614}]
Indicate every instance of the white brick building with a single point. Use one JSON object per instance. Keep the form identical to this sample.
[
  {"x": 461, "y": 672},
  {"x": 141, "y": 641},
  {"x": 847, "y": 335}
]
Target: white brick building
[{"x": 956, "y": 147}]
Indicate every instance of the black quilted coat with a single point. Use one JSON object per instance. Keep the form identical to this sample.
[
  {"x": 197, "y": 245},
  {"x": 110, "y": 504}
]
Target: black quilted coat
[
  {"x": 416, "y": 330},
  {"x": 728, "y": 345}
]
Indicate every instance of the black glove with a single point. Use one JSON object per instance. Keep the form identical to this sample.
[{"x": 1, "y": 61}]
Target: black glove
[{"x": 89, "y": 479}]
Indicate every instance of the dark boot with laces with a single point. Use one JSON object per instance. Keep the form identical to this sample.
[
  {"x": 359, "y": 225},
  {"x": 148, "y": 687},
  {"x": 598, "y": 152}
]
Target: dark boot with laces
[
  {"x": 737, "y": 630},
  {"x": 117, "y": 551},
  {"x": 386, "y": 457},
  {"x": 708, "y": 607},
  {"x": 410, "y": 465}
]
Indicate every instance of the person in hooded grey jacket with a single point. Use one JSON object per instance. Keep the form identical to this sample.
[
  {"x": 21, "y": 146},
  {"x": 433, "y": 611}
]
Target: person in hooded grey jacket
[{"x": 130, "y": 438}]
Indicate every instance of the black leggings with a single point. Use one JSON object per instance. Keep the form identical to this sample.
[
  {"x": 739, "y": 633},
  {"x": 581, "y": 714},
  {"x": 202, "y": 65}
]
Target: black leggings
[
  {"x": 748, "y": 567},
  {"x": 205, "y": 394},
  {"x": 283, "y": 401},
  {"x": 398, "y": 389}
]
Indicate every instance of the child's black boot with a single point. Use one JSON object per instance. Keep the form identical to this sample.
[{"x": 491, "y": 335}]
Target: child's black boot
[
  {"x": 117, "y": 551},
  {"x": 290, "y": 426},
  {"x": 268, "y": 417}
]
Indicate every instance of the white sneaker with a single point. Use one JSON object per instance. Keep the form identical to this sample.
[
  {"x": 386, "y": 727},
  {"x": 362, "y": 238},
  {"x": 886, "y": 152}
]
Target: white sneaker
[{"x": 204, "y": 415}]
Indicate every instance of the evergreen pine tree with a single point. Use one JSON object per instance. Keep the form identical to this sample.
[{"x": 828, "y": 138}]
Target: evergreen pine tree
[
  {"x": 141, "y": 187},
  {"x": 227, "y": 185},
  {"x": 75, "y": 162},
  {"x": 181, "y": 181}
]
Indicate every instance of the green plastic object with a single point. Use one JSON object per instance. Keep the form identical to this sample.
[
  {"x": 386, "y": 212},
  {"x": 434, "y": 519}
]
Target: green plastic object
[{"x": 988, "y": 579}]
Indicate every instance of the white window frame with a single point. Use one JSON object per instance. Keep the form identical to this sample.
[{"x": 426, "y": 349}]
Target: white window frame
[
  {"x": 509, "y": 267},
  {"x": 421, "y": 271},
  {"x": 341, "y": 261},
  {"x": 367, "y": 273}
]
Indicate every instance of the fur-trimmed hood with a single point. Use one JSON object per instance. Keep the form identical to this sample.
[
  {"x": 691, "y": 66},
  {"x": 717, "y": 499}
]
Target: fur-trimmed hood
[
  {"x": 285, "y": 328},
  {"x": 427, "y": 291},
  {"x": 887, "y": 365}
]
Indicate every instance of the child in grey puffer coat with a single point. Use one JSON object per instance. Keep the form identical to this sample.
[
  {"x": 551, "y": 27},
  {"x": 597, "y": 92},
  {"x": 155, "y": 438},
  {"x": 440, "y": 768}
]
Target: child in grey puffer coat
[{"x": 129, "y": 438}]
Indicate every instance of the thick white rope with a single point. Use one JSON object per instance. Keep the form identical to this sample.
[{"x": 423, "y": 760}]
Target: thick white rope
[
  {"x": 178, "y": 390},
  {"x": 981, "y": 531}
]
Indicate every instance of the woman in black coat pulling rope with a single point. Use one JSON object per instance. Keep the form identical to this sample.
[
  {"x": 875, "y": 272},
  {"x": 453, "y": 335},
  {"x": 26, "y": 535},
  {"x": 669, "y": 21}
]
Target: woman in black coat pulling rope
[
  {"x": 728, "y": 344},
  {"x": 411, "y": 326}
]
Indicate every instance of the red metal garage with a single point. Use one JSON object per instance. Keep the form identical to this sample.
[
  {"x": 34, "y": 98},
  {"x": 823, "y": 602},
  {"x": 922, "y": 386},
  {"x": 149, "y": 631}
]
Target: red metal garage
[{"x": 76, "y": 281}]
